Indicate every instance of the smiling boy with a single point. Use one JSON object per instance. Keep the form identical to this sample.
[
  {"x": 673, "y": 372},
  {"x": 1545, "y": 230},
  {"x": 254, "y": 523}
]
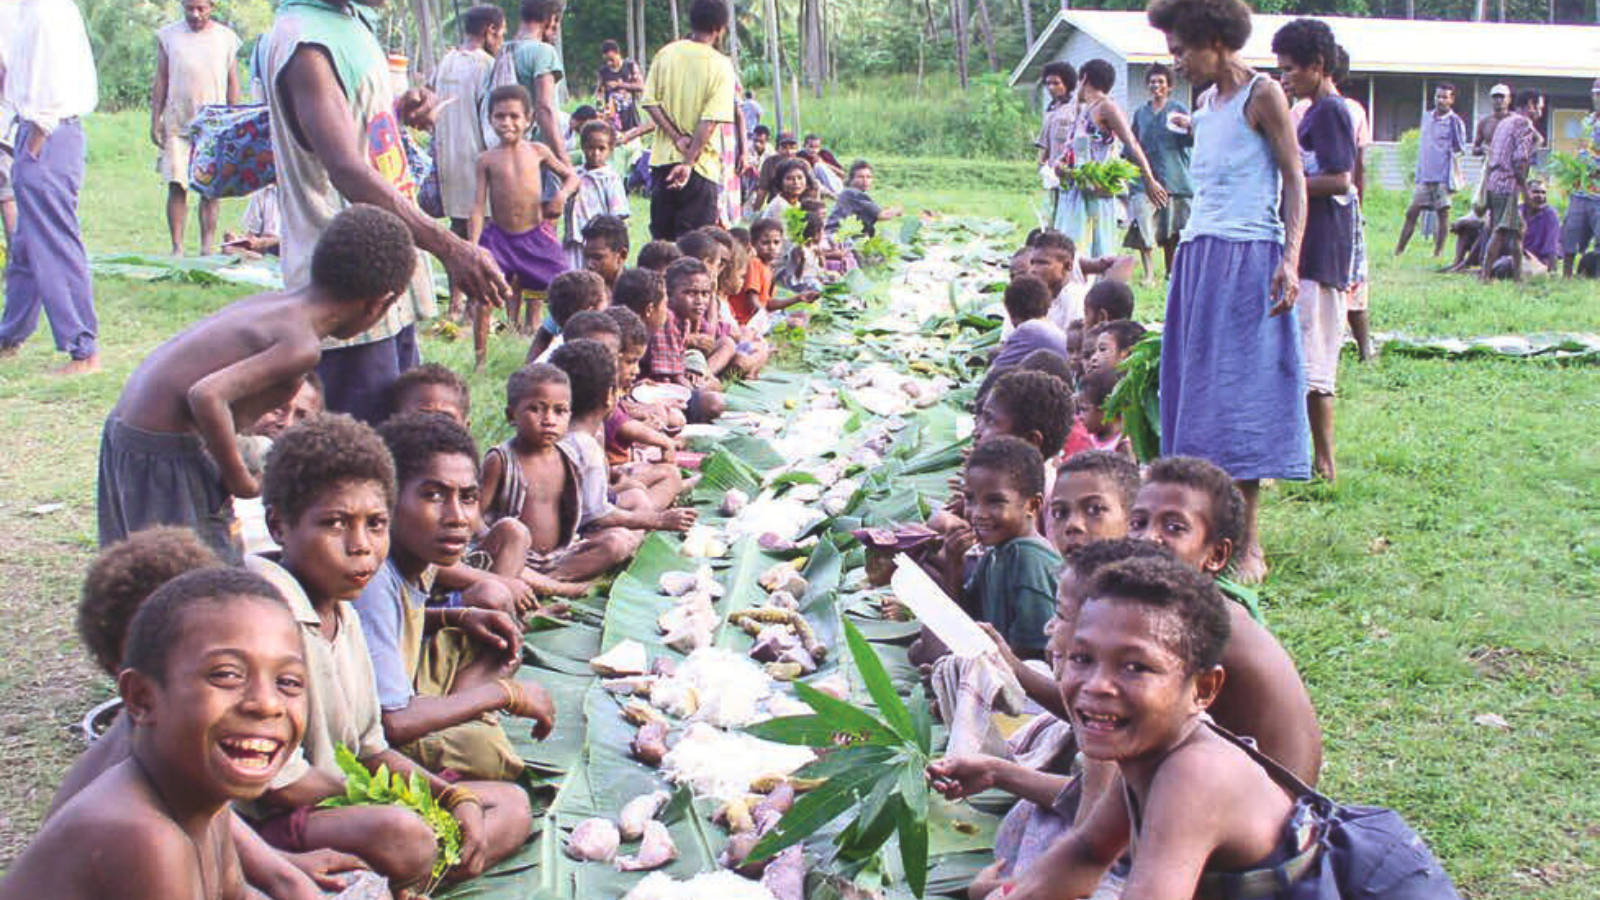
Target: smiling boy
[
  {"x": 1014, "y": 586},
  {"x": 214, "y": 685},
  {"x": 442, "y": 674},
  {"x": 1192, "y": 508},
  {"x": 1093, "y": 494}
]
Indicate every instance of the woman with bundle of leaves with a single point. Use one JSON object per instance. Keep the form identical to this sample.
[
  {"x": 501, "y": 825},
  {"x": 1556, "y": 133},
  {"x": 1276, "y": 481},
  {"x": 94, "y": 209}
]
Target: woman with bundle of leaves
[
  {"x": 1232, "y": 384},
  {"x": 1087, "y": 212}
]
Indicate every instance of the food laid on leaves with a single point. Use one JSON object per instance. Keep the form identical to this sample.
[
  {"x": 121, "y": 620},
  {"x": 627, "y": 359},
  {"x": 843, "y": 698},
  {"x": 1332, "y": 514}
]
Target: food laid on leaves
[
  {"x": 736, "y": 628},
  {"x": 595, "y": 840}
]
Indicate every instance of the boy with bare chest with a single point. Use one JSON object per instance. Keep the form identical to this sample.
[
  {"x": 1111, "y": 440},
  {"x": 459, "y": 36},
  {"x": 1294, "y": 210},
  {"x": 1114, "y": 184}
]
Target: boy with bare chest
[
  {"x": 509, "y": 192},
  {"x": 168, "y": 454}
]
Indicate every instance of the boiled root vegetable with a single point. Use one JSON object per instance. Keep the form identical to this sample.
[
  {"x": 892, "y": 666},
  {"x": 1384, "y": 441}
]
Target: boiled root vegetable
[
  {"x": 735, "y": 816},
  {"x": 675, "y": 697},
  {"x": 754, "y": 621},
  {"x": 638, "y": 712},
  {"x": 650, "y": 743},
  {"x": 655, "y": 850},
  {"x": 700, "y": 581},
  {"x": 784, "y": 576},
  {"x": 782, "y": 600},
  {"x": 639, "y": 811},
  {"x": 633, "y": 684},
  {"x": 594, "y": 840},
  {"x": 627, "y": 658},
  {"x": 734, "y": 502},
  {"x": 785, "y": 875}
]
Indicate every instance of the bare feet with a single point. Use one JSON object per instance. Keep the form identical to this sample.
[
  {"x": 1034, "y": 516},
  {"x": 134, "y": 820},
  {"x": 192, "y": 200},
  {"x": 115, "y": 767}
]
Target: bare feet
[
  {"x": 7, "y": 351},
  {"x": 85, "y": 366},
  {"x": 1251, "y": 566}
]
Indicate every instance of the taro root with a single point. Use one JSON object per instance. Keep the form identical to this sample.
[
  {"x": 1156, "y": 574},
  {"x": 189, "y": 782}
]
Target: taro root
[
  {"x": 594, "y": 840},
  {"x": 650, "y": 744},
  {"x": 734, "y": 502},
  {"x": 655, "y": 851},
  {"x": 639, "y": 811},
  {"x": 785, "y": 875}
]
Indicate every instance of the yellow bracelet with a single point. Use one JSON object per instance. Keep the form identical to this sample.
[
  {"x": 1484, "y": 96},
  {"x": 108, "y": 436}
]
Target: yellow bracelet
[
  {"x": 456, "y": 795},
  {"x": 512, "y": 692}
]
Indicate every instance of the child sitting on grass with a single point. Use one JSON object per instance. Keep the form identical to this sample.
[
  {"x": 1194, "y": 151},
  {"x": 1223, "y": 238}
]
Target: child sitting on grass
[
  {"x": 1108, "y": 301},
  {"x": 1143, "y": 667},
  {"x": 212, "y": 682},
  {"x": 438, "y": 668},
  {"x": 855, "y": 202},
  {"x": 1112, "y": 342},
  {"x": 1027, "y": 300},
  {"x": 661, "y": 480},
  {"x": 767, "y": 240},
  {"x": 1030, "y": 405},
  {"x": 534, "y": 478},
  {"x": 497, "y": 553},
  {"x": 431, "y": 388},
  {"x": 330, "y": 490},
  {"x": 605, "y": 248},
  {"x": 644, "y": 293},
  {"x": 1093, "y": 495},
  {"x": 752, "y": 350},
  {"x": 1013, "y": 587},
  {"x": 600, "y": 193},
  {"x": 509, "y": 178},
  {"x": 1091, "y": 430},
  {"x": 688, "y": 297},
  {"x": 169, "y": 454},
  {"x": 1192, "y": 508},
  {"x": 657, "y": 255},
  {"x": 570, "y": 294},
  {"x": 592, "y": 373},
  {"x": 805, "y": 267},
  {"x": 307, "y": 402}
]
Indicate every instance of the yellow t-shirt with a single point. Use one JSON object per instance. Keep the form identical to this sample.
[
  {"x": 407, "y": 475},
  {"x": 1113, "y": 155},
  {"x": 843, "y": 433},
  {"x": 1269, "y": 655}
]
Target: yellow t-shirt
[{"x": 691, "y": 82}]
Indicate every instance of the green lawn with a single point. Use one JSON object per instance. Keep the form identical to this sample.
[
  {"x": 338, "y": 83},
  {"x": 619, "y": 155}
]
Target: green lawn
[{"x": 1450, "y": 575}]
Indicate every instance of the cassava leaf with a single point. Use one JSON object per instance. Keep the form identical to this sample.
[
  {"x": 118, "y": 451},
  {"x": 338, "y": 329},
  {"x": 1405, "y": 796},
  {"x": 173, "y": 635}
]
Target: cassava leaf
[
  {"x": 876, "y": 679},
  {"x": 854, "y": 725},
  {"x": 815, "y": 809},
  {"x": 804, "y": 731},
  {"x": 845, "y": 759},
  {"x": 913, "y": 832}
]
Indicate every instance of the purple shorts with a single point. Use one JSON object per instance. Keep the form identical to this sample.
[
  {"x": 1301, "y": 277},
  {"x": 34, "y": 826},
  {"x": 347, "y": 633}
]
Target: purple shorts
[{"x": 533, "y": 257}]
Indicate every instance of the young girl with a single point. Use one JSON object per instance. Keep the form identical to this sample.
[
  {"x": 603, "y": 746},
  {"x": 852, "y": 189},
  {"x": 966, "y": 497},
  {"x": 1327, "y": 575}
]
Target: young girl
[
  {"x": 805, "y": 268},
  {"x": 600, "y": 192},
  {"x": 1091, "y": 430},
  {"x": 792, "y": 182}
]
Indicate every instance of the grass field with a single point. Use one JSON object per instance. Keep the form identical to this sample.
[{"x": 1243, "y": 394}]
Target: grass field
[{"x": 1449, "y": 576}]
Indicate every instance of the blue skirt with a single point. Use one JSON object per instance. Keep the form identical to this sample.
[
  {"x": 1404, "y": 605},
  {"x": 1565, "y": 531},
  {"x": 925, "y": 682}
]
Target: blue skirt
[{"x": 1233, "y": 390}]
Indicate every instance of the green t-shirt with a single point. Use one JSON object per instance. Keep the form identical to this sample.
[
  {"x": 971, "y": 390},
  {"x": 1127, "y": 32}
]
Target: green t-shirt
[
  {"x": 532, "y": 59},
  {"x": 1014, "y": 587}
]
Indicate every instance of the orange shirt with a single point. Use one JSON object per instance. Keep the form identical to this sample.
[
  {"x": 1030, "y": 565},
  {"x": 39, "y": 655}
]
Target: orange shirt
[{"x": 757, "y": 291}]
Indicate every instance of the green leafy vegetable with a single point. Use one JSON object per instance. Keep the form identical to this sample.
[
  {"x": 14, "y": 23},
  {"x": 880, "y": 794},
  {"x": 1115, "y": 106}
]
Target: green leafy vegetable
[
  {"x": 875, "y": 764},
  {"x": 1108, "y": 178},
  {"x": 385, "y": 788},
  {"x": 1136, "y": 398}
]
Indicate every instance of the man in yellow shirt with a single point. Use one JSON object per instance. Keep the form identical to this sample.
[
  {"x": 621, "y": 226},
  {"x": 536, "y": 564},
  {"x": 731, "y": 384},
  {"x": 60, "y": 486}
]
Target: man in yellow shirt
[{"x": 690, "y": 85}]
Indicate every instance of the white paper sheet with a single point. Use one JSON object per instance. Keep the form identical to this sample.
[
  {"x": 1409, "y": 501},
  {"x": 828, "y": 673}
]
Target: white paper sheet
[{"x": 934, "y": 609}]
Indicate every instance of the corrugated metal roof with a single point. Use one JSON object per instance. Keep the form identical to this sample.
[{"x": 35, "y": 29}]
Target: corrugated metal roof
[{"x": 1375, "y": 45}]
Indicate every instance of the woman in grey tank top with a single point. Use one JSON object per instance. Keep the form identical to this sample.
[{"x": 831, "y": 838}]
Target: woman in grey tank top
[{"x": 1232, "y": 384}]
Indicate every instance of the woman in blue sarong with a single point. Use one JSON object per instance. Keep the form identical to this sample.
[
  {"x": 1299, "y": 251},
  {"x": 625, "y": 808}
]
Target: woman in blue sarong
[{"x": 1232, "y": 383}]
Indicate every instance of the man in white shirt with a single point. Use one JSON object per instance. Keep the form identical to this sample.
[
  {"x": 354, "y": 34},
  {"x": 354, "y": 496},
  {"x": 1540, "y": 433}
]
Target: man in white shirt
[
  {"x": 49, "y": 81},
  {"x": 196, "y": 66}
]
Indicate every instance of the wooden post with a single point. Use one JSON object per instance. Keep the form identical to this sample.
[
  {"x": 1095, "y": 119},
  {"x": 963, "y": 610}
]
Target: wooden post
[
  {"x": 794, "y": 94},
  {"x": 958, "y": 26},
  {"x": 672, "y": 5},
  {"x": 1027, "y": 20},
  {"x": 986, "y": 30},
  {"x": 733, "y": 35}
]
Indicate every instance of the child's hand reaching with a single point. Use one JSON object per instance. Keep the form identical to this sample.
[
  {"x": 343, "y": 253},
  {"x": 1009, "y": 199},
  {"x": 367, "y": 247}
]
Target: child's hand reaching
[
  {"x": 958, "y": 777},
  {"x": 676, "y": 519},
  {"x": 328, "y": 870},
  {"x": 986, "y": 882},
  {"x": 1006, "y": 653}
]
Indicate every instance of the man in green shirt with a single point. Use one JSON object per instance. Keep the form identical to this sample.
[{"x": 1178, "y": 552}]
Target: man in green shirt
[
  {"x": 690, "y": 86},
  {"x": 538, "y": 68}
]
